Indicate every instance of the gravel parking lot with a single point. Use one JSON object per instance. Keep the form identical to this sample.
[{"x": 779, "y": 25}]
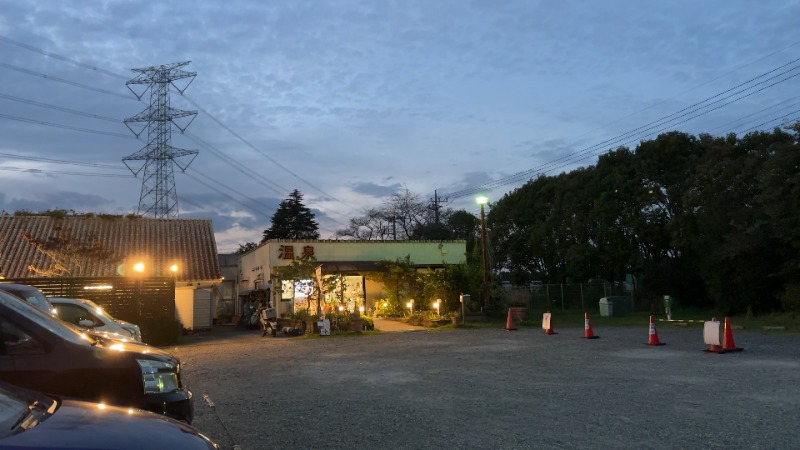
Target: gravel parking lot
[{"x": 491, "y": 388}]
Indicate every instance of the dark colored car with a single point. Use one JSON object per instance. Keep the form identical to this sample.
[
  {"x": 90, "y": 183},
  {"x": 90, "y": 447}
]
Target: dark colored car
[
  {"x": 30, "y": 294},
  {"x": 43, "y": 353},
  {"x": 30, "y": 419}
]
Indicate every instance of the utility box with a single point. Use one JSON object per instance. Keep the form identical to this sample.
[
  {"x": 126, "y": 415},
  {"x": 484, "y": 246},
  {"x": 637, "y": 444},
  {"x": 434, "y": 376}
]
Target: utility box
[
  {"x": 324, "y": 326},
  {"x": 606, "y": 307}
]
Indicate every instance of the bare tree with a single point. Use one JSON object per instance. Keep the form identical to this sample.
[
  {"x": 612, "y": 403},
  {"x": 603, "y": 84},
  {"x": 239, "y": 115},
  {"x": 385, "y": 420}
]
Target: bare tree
[
  {"x": 68, "y": 255},
  {"x": 373, "y": 225}
]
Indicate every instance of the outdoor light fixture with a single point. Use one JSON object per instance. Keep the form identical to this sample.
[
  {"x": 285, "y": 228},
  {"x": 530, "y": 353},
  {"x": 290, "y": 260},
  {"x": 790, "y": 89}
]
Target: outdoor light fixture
[
  {"x": 410, "y": 306},
  {"x": 341, "y": 308},
  {"x": 361, "y": 309},
  {"x": 436, "y": 305},
  {"x": 173, "y": 268},
  {"x": 139, "y": 267}
]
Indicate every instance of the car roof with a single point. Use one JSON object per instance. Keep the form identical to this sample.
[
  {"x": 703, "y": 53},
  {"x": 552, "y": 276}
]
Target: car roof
[
  {"x": 17, "y": 286},
  {"x": 68, "y": 300}
]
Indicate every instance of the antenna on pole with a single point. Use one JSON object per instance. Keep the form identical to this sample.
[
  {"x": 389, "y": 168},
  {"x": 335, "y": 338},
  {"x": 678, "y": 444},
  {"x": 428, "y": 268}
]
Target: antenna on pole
[{"x": 159, "y": 198}]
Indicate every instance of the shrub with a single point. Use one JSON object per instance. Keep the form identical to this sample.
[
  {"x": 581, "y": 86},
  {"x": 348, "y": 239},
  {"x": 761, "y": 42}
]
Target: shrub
[{"x": 790, "y": 298}]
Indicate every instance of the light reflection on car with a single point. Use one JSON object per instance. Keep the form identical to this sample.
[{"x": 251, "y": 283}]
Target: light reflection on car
[
  {"x": 29, "y": 419},
  {"x": 88, "y": 315}
]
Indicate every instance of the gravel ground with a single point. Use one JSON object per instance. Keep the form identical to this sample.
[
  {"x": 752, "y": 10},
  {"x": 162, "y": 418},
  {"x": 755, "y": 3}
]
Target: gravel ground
[{"x": 491, "y": 388}]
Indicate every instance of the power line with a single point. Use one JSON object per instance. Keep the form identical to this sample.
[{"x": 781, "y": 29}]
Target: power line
[
  {"x": 61, "y": 161},
  {"x": 244, "y": 170},
  {"x": 65, "y": 127},
  {"x": 259, "y": 151},
  {"x": 59, "y": 172},
  {"x": 216, "y": 120},
  {"x": 59, "y": 57},
  {"x": 203, "y": 182},
  {"x": 577, "y": 156},
  {"x": 65, "y": 81},
  {"x": 58, "y": 108}
]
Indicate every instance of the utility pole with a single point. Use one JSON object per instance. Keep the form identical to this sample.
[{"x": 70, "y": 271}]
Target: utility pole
[
  {"x": 158, "y": 197},
  {"x": 436, "y": 206}
]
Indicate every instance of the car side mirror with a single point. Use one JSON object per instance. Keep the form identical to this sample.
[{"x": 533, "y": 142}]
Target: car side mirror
[{"x": 86, "y": 323}]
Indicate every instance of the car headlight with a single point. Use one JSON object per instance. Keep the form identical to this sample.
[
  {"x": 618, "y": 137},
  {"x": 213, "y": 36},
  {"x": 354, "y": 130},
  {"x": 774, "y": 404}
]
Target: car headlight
[{"x": 158, "y": 377}]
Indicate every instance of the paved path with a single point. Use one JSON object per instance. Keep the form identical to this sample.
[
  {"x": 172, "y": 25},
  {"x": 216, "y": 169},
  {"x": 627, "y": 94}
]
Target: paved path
[{"x": 387, "y": 325}]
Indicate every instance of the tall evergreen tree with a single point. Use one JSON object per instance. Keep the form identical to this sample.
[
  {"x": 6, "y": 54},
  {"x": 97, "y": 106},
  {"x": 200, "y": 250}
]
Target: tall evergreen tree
[{"x": 292, "y": 220}]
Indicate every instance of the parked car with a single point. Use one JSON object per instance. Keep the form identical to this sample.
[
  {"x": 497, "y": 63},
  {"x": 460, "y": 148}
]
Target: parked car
[
  {"x": 30, "y": 419},
  {"x": 30, "y": 294},
  {"x": 41, "y": 352},
  {"x": 88, "y": 315}
]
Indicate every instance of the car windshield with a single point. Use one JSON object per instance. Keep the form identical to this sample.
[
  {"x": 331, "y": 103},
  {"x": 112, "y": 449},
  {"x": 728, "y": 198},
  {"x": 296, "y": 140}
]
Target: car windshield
[
  {"x": 12, "y": 407},
  {"x": 98, "y": 310},
  {"x": 46, "y": 321},
  {"x": 30, "y": 295}
]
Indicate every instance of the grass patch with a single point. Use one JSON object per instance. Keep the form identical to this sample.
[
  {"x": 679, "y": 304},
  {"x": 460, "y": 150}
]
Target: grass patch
[{"x": 571, "y": 319}]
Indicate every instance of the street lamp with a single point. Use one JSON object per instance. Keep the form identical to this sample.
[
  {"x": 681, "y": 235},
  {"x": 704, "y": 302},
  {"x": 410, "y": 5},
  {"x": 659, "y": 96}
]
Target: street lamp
[
  {"x": 139, "y": 269},
  {"x": 436, "y": 305},
  {"x": 410, "y": 306},
  {"x": 483, "y": 200}
]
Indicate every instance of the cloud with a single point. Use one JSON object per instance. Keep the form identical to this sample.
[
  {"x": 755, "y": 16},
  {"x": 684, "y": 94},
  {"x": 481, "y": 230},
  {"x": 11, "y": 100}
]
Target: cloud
[{"x": 376, "y": 190}]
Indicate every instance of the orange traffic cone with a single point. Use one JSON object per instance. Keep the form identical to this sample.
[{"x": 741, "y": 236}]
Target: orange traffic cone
[
  {"x": 510, "y": 322},
  {"x": 727, "y": 340},
  {"x": 547, "y": 323},
  {"x": 587, "y": 328},
  {"x": 711, "y": 336},
  {"x": 653, "y": 334}
]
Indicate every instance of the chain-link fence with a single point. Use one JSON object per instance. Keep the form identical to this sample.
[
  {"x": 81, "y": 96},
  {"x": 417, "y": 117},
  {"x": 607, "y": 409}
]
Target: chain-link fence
[{"x": 576, "y": 296}]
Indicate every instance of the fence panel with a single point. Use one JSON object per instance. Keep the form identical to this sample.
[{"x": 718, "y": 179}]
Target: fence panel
[
  {"x": 133, "y": 300},
  {"x": 580, "y": 296}
]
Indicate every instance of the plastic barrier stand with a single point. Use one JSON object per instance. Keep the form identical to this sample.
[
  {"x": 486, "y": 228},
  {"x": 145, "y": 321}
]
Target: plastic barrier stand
[
  {"x": 711, "y": 333},
  {"x": 546, "y": 321}
]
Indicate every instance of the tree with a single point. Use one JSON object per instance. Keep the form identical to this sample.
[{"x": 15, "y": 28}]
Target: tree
[
  {"x": 404, "y": 216},
  {"x": 68, "y": 254},
  {"x": 244, "y": 248},
  {"x": 292, "y": 220},
  {"x": 400, "y": 282},
  {"x": 373, "y": 225}
]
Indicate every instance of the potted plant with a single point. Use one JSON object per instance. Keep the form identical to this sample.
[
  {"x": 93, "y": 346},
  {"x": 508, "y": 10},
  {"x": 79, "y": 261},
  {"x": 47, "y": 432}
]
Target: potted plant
[{"x": 455, "y": 317}]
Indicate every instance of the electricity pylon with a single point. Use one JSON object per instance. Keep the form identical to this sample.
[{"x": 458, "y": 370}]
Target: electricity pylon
[{"x": 159, "y": 197}]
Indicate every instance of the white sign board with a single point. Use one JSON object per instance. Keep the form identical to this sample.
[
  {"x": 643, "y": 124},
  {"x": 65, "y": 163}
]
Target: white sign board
[
  {"x": 324, "y": 326},
  {"x": 546, "y": 321},
  {"x": 711, "y": 333}
]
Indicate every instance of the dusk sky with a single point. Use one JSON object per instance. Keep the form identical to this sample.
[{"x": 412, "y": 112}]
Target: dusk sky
[{"x": 350, "y": 101}]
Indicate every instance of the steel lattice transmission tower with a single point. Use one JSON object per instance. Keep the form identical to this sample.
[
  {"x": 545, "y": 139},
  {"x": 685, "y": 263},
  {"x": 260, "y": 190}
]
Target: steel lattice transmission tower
[{"x": 159, "y": 197}]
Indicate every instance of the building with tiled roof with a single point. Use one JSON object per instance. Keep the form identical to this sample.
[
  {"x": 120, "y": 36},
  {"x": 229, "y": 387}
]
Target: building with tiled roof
[{"x": 182, "y": 248}]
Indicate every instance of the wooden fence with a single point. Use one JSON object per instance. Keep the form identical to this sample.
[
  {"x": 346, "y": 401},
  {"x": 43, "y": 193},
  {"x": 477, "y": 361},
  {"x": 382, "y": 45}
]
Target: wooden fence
[{"x": 134, "y": 300}]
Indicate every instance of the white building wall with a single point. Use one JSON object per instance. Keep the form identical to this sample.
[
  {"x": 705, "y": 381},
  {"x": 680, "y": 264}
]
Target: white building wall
[{"x": 184, "y": 306}]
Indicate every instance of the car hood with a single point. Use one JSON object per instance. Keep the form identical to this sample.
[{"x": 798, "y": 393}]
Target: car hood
[
  {"x": 124, "y": 324},
  {"x": 92, "y": 426},
  {"x": 133, "y": 347}
]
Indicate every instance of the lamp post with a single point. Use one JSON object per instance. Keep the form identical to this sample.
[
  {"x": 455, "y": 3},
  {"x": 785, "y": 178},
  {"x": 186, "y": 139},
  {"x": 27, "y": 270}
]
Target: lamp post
[
  {"x": 482, "y": 200},
  {"x": 436, "y": 305},
  {"x": 410, "y": 306},
  {"x": 139, "y": 269}
]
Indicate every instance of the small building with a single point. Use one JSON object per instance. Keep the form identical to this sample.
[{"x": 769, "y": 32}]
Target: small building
[
  {"x": 133, "y": 248},
  {"x": 257, "y": 278}
]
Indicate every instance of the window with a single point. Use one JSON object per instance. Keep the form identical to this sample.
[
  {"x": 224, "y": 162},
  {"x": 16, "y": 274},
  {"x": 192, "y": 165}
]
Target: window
[
  {"x": 17, "y": 342},
  {"x": 75, "y": 314}
]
